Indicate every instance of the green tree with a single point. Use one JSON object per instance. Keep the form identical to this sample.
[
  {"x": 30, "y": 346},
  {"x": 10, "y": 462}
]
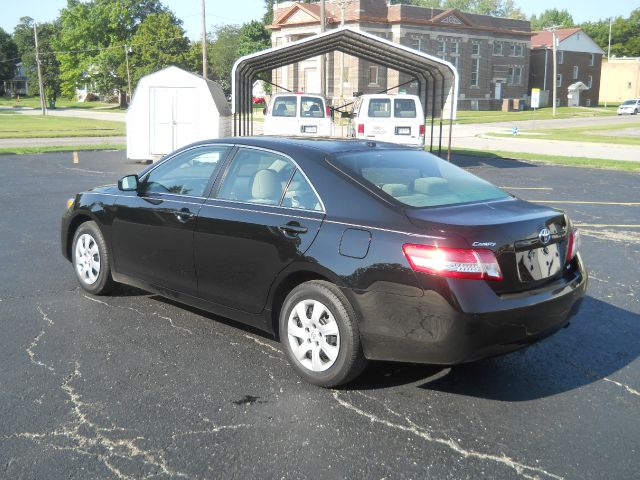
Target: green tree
[
  {"x": 23, "y": 36},
  {"x": 222, "y": 52},
  {"x": 551, "y": 17},
  {"x": 625, "y": 34},
  {"x": 158, "y": 42},
  {"x": 253, "y": 37},
  {"x": 8, "y": 55},
  {"x": 93, "y": 36}
]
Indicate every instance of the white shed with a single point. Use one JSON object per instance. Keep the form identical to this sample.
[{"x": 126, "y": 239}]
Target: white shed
[{"x": 172, "y": 108}]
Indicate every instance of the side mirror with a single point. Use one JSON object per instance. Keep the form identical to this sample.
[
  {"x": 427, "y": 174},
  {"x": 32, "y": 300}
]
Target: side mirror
[{"x": 128, "y": 183}]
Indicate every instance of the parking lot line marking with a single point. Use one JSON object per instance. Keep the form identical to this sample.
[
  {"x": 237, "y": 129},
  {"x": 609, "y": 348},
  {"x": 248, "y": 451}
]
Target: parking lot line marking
[
  {"x": 603, "y": 225},
  {"x": 75, "y": 157},
  {"x": 578, "y": 202},
  {"x": 527, "y": 188}
]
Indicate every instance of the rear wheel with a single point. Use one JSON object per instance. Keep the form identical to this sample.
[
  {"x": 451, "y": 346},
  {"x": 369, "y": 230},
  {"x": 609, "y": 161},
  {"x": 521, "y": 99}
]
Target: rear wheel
[
  {"x": 319, "y": 333},
  {"x": 90, "y": 258}
]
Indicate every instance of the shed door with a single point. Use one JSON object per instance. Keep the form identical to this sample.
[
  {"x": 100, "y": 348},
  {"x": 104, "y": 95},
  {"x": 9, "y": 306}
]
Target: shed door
[{"x": 173, "y": 113}]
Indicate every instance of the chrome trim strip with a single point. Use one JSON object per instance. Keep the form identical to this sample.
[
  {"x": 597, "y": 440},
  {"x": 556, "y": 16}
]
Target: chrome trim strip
[
  {"x": 269, "y": 213},
  {"x": 321, "y": 212}
]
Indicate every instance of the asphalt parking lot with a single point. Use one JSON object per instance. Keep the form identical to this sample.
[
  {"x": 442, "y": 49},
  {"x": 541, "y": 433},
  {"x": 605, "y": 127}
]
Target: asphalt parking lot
[{"x": 134, "y": 386}]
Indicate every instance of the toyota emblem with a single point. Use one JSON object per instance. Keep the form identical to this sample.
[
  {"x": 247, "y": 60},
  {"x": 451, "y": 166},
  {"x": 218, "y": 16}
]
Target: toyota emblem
[{"x": 544, "y": 236}]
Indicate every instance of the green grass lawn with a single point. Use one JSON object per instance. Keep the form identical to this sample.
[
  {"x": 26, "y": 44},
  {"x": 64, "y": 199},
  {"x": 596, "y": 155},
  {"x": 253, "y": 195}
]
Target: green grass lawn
[
  {"x": 582, "y": 134},
  {"x": 473, "y": 116},
  {"x": 35, "y": 126},
  {"x": 38, "y": 150},
  {"x": 554, "y": 159},
  {"x": 34, "y": 102}
]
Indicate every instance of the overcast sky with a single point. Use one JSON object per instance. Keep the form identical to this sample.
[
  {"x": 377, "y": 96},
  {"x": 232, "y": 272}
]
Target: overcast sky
[{"x": 240, "y": 11}]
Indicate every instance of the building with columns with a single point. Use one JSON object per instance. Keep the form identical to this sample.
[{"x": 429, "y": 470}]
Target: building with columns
[{"x": 491, "y": 54}]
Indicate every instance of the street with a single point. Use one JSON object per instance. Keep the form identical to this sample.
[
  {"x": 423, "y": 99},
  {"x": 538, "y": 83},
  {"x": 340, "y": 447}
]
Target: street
[{"x": 133, "y": 385}]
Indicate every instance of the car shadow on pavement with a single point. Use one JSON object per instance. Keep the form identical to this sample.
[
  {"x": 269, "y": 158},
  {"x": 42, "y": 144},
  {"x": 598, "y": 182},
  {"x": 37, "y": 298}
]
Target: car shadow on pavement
[
  {"x": 601, "y": 340},
  {"x": 492, "y": 160}
]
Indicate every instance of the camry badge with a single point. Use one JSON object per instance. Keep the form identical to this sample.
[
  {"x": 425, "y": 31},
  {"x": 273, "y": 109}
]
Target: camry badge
[
  {"x": 544, "y": 236},
  {"x": 483, "y": 244}
]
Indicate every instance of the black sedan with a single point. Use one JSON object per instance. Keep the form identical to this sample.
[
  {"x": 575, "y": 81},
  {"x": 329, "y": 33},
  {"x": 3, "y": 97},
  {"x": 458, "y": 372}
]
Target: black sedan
[{"x": 347, "y": 250}]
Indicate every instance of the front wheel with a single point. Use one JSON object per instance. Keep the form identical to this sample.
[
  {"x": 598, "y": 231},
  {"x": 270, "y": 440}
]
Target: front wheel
[
  {"x": 90, "y": 258},
  {"x": 319, "y": 333}
]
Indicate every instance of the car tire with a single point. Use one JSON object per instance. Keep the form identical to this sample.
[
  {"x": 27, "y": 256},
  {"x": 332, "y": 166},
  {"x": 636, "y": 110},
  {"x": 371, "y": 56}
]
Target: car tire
[
  {"x": 91, "y": 260},
  {"x": 635, "y": 112},
  {"x": 324, "y": 346}
]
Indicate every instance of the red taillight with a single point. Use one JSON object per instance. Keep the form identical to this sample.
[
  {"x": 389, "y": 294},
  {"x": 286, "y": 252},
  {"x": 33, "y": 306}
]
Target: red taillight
[
  {"x": 361, "y": 129},
  {"x": 574, "y": 244},
  {"x": 453, "y": 262},
  {"x": 327, "y": 110},
  {"x": 421, "y": 129}
]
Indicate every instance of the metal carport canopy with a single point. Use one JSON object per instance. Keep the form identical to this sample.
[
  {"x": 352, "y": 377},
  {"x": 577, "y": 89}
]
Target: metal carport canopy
[{"x": 438, "y": 79}]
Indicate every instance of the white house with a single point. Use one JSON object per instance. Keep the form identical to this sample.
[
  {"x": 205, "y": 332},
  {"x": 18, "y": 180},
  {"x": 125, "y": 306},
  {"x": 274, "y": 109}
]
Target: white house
[{"x": 172, "y": 108}]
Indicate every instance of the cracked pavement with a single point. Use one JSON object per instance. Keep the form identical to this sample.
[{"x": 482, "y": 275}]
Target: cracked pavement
[{"x": 134, "y": 386}]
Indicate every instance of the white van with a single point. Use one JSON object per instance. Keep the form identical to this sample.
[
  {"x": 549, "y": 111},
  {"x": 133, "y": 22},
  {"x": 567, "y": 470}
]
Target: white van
[
  {"x": 389, "y": 118},
  {"x": 304, "y": 114}
]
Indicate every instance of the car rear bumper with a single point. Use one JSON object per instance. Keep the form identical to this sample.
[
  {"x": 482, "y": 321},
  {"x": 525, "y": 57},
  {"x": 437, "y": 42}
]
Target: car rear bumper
[{"x": 446, "y": 331}]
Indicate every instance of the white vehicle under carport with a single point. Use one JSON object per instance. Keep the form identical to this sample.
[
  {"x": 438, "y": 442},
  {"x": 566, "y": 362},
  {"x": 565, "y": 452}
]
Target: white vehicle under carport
[
  {"x": 389, "y": 118},
  {"x": 300, "y": 114}
]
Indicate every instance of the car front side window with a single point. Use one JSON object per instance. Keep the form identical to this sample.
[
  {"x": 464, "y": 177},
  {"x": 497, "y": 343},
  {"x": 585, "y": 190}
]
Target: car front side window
[{"x": 188, "y": 173}]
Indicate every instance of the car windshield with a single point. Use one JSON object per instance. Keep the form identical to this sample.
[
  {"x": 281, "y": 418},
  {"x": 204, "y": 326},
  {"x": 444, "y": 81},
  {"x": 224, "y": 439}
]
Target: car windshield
[
  {"x": 417, "y": 179},
  {"x": 629, "y": 102}
]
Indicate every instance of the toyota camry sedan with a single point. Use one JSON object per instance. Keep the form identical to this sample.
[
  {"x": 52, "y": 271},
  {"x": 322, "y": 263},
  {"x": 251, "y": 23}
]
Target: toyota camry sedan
[{"x": 348, "y": 251}]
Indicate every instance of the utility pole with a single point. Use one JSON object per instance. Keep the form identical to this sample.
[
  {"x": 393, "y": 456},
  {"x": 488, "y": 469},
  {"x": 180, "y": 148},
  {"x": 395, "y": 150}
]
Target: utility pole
[
  {"x": 127, "y": 49},
  {"x": 323, "y": 65},
  {"x": 553, "y": 29},
  {"x": 608, "y": 58},
  {"x": 40, "y": 84},
  {"x": 204, "y": 42}
]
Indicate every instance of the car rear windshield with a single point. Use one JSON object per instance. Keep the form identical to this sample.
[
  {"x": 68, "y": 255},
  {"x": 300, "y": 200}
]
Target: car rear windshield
[
  {"x": 404, "y": 108},
  {"x": 379, "y": 108},
  {"x": 311, "y": 107},
  {"x": 417, "y": 179},
  {"x": 284, "y": 107}
]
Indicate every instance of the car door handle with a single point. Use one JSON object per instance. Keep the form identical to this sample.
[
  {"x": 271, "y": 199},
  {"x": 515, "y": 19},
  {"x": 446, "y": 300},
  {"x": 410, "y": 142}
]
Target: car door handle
[
  {"x": 293, "y": 229},
  {"x": 183, "y": 215}
]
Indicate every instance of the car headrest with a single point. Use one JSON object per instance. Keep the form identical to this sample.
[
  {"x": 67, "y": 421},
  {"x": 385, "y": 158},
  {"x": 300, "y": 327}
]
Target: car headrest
[
  {"x": 431, "y": 186},
  {"x": 395, "y": 189},
  {"x": 266, "y": 185}
]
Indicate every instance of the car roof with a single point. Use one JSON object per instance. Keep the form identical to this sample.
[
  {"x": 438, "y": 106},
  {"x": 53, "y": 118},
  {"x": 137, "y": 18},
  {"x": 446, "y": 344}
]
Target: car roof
[{"x": 322, "y": 145}]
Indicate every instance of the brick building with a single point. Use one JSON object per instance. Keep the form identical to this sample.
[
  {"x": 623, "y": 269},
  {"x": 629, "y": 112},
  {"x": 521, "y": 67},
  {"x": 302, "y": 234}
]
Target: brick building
[
  {"x": 490, "y": 53},
  {"x": 579, "y": 64}
]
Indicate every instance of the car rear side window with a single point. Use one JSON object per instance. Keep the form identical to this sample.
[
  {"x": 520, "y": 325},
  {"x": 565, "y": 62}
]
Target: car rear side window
[
  {"x": 300, "y": 194},
  {"x": 311, "y": 107},
  {"x": 379, "y": 108},
  {"x": 417, "y": 179},
  {"x": 284, "y": 106},
  {"x": 404, "y": 108},
  {"x": 256, "y": 176}
]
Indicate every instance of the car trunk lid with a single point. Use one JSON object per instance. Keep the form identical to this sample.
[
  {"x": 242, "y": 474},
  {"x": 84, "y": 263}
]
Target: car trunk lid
[{"x": 528, "y": 240}]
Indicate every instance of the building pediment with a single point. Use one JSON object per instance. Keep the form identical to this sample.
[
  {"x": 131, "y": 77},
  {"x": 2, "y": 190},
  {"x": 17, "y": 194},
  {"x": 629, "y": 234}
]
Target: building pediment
[
  {"x": 298, "y": 14},
  {"x": 452, "y": 16}
]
